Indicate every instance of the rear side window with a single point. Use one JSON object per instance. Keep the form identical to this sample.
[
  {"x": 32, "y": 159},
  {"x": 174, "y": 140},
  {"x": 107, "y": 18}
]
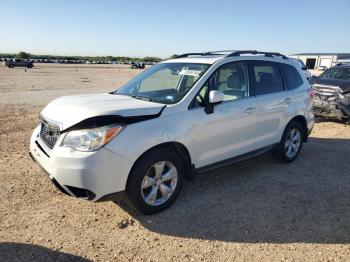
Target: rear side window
[
  {"x": 267, "y": 78},
  {"x": 291, "y": 75}
]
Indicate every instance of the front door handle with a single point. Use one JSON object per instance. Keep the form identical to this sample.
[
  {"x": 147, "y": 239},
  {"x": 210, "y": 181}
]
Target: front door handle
[
  {"x": 250, "y": 110},
  {"x": 288, "y": 100}
]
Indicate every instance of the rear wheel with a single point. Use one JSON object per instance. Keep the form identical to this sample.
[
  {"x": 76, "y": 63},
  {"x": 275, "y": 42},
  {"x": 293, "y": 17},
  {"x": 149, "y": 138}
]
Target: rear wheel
[
  {"x": 291, "y": 142},
  {"x": 155, "y": 181}
]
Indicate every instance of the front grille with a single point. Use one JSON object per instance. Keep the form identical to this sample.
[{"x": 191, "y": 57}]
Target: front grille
[{"x": 49, "y": 133}]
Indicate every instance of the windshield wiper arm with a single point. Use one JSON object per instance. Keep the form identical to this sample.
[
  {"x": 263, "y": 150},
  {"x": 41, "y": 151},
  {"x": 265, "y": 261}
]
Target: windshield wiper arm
[
  {"x": 142, "y": 98},
  {"x": 133, "y": 96}
]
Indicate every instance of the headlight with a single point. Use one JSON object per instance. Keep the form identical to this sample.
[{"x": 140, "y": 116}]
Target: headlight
[{"x": 91, "y": 139}]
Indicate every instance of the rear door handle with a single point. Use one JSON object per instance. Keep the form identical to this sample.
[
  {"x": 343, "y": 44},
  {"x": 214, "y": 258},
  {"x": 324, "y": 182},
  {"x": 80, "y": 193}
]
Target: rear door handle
[
  {"x": 288, "y": 100},
  {"x": 250, "y": 110}
]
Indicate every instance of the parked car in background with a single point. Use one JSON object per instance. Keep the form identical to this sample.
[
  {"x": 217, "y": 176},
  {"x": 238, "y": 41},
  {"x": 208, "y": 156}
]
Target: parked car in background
[
  {"x": 183, "y": 116},
  {"x": 322, "y": 68},
  {"x": 137, "y": 65},
  {"x": 332, "y": 89},
  {"x": 19, "y": 63}
]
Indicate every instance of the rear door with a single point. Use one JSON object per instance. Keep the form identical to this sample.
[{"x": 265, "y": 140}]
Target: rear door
[{"x": 274, "y": 102}]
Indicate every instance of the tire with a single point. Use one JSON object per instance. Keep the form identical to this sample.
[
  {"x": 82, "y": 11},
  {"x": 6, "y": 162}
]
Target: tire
[
  {"x": 289, "y": 149},
  {"x": 11, "y": 66},
  {"x": 144, "y": 175}
]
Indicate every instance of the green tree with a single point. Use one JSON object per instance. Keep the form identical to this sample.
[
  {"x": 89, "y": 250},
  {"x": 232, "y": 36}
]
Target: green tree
[
  {"x": 151, "y": 59},
  {"x": 23, "y": 55}
]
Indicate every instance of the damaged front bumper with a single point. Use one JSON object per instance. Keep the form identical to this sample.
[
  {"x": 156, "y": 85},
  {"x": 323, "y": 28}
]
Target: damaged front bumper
[{"x": 331, "y": 103}]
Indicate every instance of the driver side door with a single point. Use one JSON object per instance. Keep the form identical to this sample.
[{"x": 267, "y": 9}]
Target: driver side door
[{"x": 229, "y": 130}]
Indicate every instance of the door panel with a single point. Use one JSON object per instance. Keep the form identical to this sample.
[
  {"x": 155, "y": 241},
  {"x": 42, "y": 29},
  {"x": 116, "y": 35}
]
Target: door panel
[
  {"x": 228, "y": 132},
  {"x": 274, "y": 103},
  {"x": 273, "y": 109}
]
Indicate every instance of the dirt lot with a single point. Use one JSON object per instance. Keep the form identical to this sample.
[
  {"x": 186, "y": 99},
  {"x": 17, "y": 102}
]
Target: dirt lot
[{"x": 252, "y": 211}]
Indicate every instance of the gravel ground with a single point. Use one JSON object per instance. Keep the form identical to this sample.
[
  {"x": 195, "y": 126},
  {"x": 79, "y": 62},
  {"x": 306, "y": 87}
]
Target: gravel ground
[{"x": 252, "y": 211}]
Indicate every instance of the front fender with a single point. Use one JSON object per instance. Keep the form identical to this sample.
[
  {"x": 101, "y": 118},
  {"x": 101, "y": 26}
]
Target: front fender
[{"x": 139, "y": 137}]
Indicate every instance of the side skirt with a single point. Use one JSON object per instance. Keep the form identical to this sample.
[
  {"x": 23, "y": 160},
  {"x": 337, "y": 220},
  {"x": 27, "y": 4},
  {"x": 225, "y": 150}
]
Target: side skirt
[{"x": 237, "y": 159}]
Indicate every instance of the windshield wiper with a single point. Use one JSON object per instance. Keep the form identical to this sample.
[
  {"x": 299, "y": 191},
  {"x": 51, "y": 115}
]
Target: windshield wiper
[
  {"x": 133, "y": 96},
  {"x": 142, "y": 98}
]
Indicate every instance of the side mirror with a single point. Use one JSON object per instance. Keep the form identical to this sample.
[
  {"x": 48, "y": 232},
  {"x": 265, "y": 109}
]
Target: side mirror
[{"x": 216, "y": 97}]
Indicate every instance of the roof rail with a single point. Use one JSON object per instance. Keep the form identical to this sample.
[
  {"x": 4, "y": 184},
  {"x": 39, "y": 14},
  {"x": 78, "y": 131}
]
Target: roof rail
[
  {"x": 189, "y": 54},
  {"x": 205, "y": 53},
  {"x": 232, "y": 53},
  {"x": 254, "y": 52}
]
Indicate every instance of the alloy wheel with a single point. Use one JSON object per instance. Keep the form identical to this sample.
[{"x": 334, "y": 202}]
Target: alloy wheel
[
  {"x": 159, "y": 183},
  {"x": 293, "y": 142}
]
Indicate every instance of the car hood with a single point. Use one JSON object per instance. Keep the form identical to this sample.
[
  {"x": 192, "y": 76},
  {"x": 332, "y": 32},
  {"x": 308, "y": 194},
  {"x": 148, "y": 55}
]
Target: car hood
[
  {"x": 67, "y": 111},
  {"x": 344, "y": 85}
]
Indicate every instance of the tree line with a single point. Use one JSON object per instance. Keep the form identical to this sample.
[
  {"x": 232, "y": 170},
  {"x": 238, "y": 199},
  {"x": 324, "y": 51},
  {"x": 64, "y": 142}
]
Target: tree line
[{"x": 25, "y": 55}]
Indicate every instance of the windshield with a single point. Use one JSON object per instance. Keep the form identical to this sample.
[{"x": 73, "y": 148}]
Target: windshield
[
  {"x": 337, "y": 73},
  {"x": 164, "y": 83}
]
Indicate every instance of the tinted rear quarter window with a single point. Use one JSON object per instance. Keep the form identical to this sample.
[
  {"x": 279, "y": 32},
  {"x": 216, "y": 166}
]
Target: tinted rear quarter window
[
  {"x": 267, "y": 78},
  {"x": 291, "y": 75}
]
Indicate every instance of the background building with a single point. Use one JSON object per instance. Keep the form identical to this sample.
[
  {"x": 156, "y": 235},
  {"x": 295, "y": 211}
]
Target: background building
[{"x": 316, "y": 60}]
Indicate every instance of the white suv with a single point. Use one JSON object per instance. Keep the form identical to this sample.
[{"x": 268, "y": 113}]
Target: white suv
[{"x": 181, "y": 117}]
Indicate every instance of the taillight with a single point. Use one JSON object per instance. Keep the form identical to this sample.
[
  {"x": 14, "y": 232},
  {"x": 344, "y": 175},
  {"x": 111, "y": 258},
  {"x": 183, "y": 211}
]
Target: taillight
[{"x": 311, "y": 93}]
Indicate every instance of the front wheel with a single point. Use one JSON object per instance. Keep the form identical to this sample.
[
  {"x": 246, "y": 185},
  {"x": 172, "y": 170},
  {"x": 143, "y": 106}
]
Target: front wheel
[
  {"x": 155, "y": 181},
  {"x": 291, "y": 142}
]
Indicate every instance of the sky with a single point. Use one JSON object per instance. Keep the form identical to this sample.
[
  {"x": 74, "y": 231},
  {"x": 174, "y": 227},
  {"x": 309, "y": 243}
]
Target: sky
[{"x": 162, "y": 28}]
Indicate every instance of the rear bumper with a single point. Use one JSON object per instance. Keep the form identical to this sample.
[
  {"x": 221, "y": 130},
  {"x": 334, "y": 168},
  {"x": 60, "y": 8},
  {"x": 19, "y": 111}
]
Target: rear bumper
[{"x": 94, "y": 176}]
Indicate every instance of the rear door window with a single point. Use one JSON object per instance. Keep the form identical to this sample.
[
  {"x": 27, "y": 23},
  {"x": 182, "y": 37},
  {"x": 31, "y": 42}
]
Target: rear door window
[
  {"x": 291, "y": 75},
  {"x": 267, "y": 78}
]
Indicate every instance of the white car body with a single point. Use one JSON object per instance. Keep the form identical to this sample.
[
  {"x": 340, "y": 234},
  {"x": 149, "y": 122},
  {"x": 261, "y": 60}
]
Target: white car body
[{"x": 236, "y": 128}]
